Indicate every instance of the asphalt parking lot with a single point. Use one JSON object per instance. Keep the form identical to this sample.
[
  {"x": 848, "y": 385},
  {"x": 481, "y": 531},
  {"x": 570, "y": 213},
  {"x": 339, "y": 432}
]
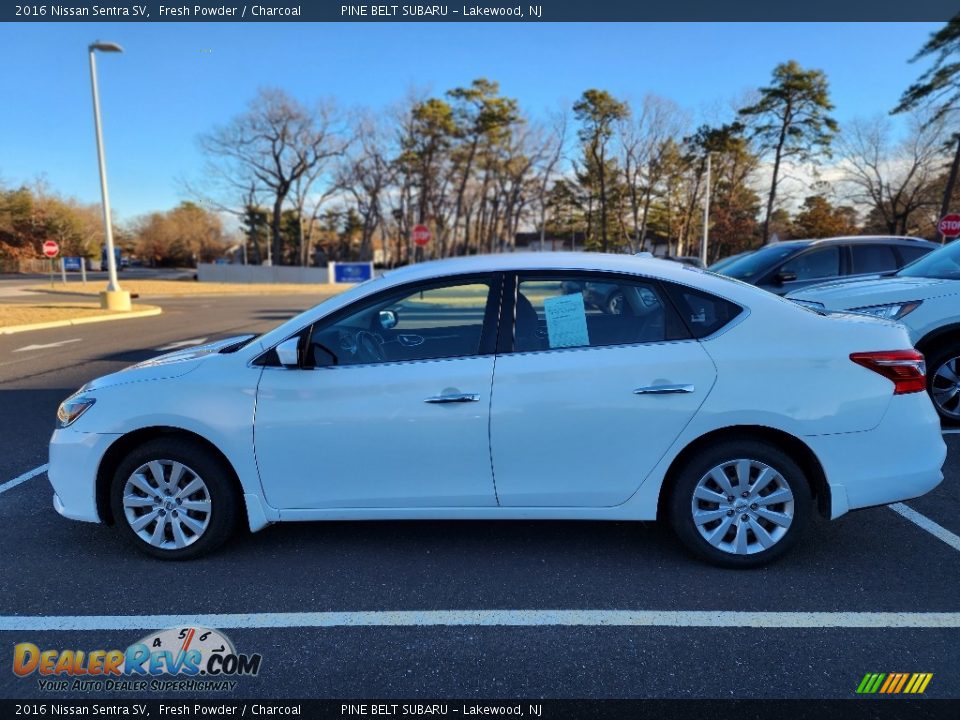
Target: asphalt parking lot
[{"x": 873, "y": 592}]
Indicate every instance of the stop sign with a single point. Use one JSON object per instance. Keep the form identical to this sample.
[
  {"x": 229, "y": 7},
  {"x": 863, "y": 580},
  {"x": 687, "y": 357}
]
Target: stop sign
[
  {"x": 51, "y": 249},
  {"x": 949, "y": 225},
  {"x": 421, "y": 235}
]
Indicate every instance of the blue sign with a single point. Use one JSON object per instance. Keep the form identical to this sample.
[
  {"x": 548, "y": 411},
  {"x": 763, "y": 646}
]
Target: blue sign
[
  {"x": 73, "y": 263},
  {"x": 356, "y": 272}
]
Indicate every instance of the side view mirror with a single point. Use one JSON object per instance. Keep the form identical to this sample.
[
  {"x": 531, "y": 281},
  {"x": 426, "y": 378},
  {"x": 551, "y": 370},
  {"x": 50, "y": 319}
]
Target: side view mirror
[
  {"x": 388, "y": 319},
  {"x": 784, "y": 277},
  {"x": 288, "y": 352}
]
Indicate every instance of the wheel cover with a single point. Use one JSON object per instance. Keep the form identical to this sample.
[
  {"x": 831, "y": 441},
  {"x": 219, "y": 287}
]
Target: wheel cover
[
  {"x": 742, "y": 507},
  {"x": 945, "y": 388},
  {"x": 167, "y": 504}
]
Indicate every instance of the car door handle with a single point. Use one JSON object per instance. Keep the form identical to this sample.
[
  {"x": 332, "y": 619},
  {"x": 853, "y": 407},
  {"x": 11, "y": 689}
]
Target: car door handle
[
  {"x": 457, "y": 398},
  {"x": 663, "y": 390}
]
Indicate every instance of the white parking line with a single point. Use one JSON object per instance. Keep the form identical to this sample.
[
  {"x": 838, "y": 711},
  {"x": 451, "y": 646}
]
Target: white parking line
[
  {"x": 10, "y": 484},
  {"x": 490, "y": 618},
  {"x": 927, "y": 524},
  {"x": 61, "y": 343}
]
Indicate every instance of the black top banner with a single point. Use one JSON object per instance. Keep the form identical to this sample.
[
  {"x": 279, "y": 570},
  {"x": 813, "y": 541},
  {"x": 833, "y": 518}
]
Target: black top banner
[{"x": 483, "y": 11}]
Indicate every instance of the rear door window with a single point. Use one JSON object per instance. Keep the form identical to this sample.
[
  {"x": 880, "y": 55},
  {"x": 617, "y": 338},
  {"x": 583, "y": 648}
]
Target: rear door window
[
  {"x": 591, "y": 310},
  {"x": 872, "y": 259},
  {"x": 815, "y": 264}
]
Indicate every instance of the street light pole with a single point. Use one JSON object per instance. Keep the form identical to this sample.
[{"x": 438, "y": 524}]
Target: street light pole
[
  {"x": 114, "y": 298},
  {"x": 706, "y": 217}
]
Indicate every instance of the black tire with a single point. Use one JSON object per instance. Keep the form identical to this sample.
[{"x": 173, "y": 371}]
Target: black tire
[
  {"x": 689, "y": 475},
  {"x": 935, "y": 361},
  {"x": 224, "y": 500}
]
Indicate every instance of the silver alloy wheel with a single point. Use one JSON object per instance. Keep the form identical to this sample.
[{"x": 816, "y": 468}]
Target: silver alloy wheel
[
  {"x": 167, "y": 504},
  {"x": 945, "y": 388},
  {"x": 742, "y": 507}
]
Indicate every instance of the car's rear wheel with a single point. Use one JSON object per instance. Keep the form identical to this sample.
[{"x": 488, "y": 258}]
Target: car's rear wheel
[
  {"x": 173, "y": 499},
  {"x": 943, "y": 382},
  {"x": 740, "y": 504}
]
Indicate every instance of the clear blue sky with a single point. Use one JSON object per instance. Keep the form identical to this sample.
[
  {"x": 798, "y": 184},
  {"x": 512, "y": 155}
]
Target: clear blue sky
[{"x": 176, "y": 80}]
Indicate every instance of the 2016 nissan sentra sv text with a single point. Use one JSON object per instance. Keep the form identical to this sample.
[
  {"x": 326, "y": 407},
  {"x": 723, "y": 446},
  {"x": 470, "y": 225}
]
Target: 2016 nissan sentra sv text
[{"x": 492, "y": 388}]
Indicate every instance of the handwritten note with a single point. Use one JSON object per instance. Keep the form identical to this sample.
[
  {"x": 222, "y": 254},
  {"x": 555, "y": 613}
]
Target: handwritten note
[{"x": 566, "y": 321}]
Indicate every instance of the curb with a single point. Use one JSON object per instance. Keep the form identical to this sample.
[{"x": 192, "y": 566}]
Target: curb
[{"x": 10, "y": 330}]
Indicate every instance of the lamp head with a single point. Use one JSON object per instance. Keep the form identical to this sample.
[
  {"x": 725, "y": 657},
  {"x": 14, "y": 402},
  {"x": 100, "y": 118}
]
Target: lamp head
[{"x": 105, "y": 47}]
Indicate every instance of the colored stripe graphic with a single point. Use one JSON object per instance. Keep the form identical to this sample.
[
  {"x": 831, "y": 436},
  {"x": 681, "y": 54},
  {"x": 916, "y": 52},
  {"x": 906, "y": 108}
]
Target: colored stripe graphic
[{"x": 894, "y": 683}]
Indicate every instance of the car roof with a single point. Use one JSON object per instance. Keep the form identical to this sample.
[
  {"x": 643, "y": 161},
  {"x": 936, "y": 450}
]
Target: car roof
[
  {"x": 859, "y": 238},
  {"x": 521, "y": 261}
]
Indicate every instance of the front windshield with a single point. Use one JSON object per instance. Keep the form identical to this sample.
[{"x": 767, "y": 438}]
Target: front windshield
[
  {"x": 757, "y": 263},
  {"x": 943, "y": 264}
]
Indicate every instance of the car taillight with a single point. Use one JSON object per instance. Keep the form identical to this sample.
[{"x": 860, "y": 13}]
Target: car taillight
[{"x": 905, "y": 367}]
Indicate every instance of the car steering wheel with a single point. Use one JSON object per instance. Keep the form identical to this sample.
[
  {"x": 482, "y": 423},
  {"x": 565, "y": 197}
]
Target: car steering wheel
[{"x": 369, "y": 347}]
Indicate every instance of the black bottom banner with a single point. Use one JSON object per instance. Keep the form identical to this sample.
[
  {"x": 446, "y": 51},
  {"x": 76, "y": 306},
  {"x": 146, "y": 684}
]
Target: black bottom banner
[{"x": 927, "y": 709}]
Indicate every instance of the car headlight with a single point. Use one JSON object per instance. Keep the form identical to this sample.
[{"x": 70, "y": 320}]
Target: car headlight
[
  {"x": 72, "y": 408},
  {"x": 894, "y": 311}
]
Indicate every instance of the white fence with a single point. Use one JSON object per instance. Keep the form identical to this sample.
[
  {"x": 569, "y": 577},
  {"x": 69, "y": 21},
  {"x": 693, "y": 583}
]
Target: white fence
[{"x": 209, "y": 272}]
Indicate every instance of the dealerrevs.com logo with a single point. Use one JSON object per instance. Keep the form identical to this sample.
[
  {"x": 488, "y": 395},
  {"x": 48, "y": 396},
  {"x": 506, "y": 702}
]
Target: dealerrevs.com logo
[{"x": 197, "y": 658}]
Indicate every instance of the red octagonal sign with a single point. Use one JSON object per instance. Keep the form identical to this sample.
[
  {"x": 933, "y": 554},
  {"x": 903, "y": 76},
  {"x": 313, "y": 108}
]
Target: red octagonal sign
[
  {"x": 949, "y": 225},
  {"x": 50, "y": 248},
  {"x": 421, "y": 235}
]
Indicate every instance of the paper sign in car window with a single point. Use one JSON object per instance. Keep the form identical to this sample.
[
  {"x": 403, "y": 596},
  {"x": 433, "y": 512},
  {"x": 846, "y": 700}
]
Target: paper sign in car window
[{"x": 566, "y": 321}]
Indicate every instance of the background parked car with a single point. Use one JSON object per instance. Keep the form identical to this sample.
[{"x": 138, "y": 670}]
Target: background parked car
[
  {"x": 686, "y": 260},
  {"x": 720, "y": 264},
  {"x": 794, "y": 264},
  {"x": 925, "y": 297}
]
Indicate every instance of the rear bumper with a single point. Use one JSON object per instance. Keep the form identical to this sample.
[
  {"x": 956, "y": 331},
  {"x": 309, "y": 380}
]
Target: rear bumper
[
  {"x": 74, "y": 459},
  {"x": 900, "y": 459}
]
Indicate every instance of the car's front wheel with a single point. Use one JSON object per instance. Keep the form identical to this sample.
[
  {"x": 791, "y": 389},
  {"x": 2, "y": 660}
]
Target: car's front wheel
[
  {"x": 740, "y": 504},
  {"x": 174, "y": 499}
]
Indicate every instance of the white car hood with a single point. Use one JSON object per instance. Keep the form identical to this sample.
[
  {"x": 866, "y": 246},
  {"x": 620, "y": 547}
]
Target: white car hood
[
  {"x": 863, "y": 293},
  {"x": 170, "y": 365}
]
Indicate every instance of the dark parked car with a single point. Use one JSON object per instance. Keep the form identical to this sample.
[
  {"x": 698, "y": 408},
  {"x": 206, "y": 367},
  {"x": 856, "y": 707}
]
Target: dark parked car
[
  {"x": 720, "y": 264},
  {"x": 793, "y": 264}
]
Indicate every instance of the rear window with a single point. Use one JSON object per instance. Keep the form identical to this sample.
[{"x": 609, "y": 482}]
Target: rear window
[
  {"x": 703, "y": 313},
  {"x": 873, "y": 259}
]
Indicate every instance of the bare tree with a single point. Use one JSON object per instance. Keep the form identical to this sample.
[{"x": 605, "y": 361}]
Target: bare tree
[
  {"x": 892, "y": 178},
  {"x": 277, "y": 143},
  {"x": 367, "y": 175},
  {"x": 547, "y": 162},
  {"x": 644, "y": 140}
]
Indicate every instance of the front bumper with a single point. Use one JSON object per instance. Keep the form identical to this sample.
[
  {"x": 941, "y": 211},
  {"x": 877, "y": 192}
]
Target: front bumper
[
  {"x": 900, "y": 459},
  {"x": 74, "y": 460}
]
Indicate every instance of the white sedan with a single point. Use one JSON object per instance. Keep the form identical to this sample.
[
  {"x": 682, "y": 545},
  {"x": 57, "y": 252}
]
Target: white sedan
[{"x": 486, "y": 388}]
